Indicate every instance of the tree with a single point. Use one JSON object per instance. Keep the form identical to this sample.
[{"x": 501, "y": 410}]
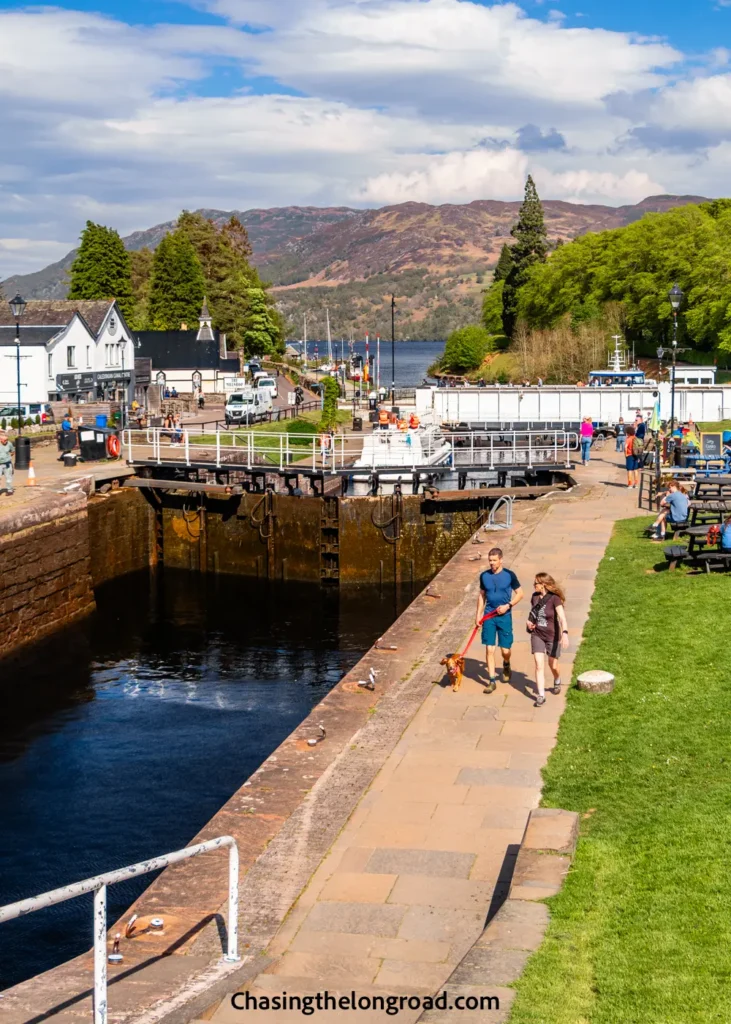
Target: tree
[
  {"x": 141, "y": 270},
  {"x": 102, "y": 269},
  {"x": 531, "y": 248},
  {"x": 331, "y": 392},
  {"x": 466, "y": 348},
  {"x": 261, "y": 334},
  {"x": 177, "y": 284},
  {"x": 492, "y": 308},
  {"x": 504, "y": 264},
  {"x": 631, "y": 269}
]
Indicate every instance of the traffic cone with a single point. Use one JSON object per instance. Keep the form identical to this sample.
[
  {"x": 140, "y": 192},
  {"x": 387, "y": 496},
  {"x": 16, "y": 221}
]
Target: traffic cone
[{"x": 31, "y": 481}]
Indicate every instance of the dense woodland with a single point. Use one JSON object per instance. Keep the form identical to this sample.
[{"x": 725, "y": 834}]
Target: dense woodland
[
  {"x": 163, "y": 289},
  {"x": 552, "y": 315}
]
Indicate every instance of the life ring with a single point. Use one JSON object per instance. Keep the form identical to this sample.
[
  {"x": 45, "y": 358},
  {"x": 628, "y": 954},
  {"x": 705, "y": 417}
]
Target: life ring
[{"x": 114, "y": 448}]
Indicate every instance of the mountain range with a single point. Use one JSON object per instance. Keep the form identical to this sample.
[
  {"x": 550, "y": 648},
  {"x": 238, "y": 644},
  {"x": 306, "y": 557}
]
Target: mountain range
[{"x": 433, "y": 258}]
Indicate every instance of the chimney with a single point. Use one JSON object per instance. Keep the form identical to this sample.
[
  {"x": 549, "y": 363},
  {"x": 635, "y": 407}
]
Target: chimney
[{"x": 183, "y": 326}]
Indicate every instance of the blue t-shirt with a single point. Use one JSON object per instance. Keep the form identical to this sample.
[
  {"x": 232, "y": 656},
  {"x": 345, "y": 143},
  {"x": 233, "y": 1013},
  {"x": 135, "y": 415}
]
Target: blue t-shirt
[
  {"x": 678, "y": 503},
  {"x": 498, "y": 588},
  {"x": 726, "y": 538}
]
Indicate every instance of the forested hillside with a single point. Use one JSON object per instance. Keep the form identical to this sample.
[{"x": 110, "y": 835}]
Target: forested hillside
[{"x": 633, "y": 268}]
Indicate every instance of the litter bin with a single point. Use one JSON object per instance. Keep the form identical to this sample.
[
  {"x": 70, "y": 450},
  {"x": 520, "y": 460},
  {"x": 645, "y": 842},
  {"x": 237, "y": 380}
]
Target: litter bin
[
  {"x": 357, "y": 423},
  {"x": 66, "y": 440},
  {"x": 94, "y": 443},
  {"x": 100, "y": 420},
  {"x": 22, "y": 452}
]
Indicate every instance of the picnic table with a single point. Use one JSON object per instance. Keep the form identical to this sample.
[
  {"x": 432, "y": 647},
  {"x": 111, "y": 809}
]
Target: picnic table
[{"x": 708, "y": 507}]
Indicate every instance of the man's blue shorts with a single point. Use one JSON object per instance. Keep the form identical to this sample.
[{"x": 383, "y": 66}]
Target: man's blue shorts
[{"x": 498, "y": 631}]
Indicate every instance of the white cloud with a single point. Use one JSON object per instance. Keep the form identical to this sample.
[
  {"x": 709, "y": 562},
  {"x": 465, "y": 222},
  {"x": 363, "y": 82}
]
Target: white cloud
[
  {"x": 461, "y": 176},
  {"x": 398, "y": 99}
]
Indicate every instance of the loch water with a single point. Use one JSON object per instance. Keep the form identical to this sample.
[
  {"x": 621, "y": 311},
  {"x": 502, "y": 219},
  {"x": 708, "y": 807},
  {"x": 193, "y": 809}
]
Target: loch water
[{"x": 121, "y": 737}]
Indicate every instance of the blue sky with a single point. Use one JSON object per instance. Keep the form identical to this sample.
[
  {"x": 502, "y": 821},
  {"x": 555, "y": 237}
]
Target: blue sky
[{"x": 126, "y": 112}]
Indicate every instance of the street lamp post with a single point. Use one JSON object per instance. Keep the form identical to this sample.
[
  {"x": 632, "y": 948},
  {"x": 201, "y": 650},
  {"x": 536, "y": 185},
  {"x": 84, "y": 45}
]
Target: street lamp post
[
  {"x": 393, "y": 350},
  {"x": 17, "y": 308},
  {"x": 676, "y": 297}
]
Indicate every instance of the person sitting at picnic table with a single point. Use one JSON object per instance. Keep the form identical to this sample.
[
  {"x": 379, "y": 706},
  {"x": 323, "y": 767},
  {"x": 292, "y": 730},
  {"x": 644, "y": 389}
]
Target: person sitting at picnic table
[
  {"x": 726, "y": 535},
  {"x": 673, "y": 509}
]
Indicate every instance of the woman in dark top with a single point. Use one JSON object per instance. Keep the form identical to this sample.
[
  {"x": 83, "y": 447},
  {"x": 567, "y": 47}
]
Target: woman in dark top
[{"x": 549, "y": 632}]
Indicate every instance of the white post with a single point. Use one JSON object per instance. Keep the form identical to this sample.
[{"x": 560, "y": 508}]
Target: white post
[
  {"x": 218, "y": 447},
  {"x": 530, "y": 454},
  {"x": 187, "y": 448},
  {"x": 281, "y": 451},
  {"x": 472, "y": 448},
  {"x": 232, "y": 953},
  {"x": 100, "y": 955}
]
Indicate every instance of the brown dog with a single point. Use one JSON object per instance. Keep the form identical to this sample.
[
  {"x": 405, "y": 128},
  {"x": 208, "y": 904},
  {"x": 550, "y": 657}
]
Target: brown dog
[{"x": 455, "y": 669}]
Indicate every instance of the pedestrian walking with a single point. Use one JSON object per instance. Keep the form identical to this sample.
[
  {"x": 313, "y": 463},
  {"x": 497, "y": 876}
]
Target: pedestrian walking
[
  {"x": 632, "y": 455},
  {"x": 7, "y": 450},
  {"x": 620, "y": 432},
  {"x": 500, "y": 591},
  {"x": 549, "y": 632},
  {"x": 587, "y": 435},
  {"x": 640, "y": 426}
]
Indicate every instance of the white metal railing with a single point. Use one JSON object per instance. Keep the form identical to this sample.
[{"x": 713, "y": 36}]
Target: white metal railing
[
  {"x": 98, "y": 885},
  {"x": 329, "y": 453}
]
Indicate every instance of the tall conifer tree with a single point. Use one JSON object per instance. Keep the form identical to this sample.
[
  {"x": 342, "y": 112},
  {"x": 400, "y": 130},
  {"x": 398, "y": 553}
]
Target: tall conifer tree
[
  {"x": 530, "y": 248},
  {"x": 177, "y": 285},
  {"x": 504, "y": 264},
  {"x": 102, "y": 268}
]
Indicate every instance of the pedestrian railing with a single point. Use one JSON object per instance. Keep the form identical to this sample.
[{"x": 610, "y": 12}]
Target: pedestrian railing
[
  {"x": 379, "y": 449},
  {"x": 98, "y": 885}
]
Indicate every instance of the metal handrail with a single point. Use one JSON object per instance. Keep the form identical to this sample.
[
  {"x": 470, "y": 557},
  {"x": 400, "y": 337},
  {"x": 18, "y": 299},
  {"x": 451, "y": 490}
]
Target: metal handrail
[
  {"x": 330, "y": 453},
  {"x": 98, "y": 885}
]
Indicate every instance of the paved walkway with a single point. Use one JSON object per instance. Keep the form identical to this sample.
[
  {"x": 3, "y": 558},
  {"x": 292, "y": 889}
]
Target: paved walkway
[{"x": 406, "y": 888}]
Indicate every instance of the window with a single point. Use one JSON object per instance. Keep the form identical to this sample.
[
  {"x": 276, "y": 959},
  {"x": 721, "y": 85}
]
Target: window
[
  {"x": 106, "y": 354},
  {"x": 50, "y": 365},
  {"x": 71, "y": 356},
  {"x": 88, "y": 356}
]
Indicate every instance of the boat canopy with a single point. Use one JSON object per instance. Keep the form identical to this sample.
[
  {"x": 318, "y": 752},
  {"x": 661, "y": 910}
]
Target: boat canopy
[{"x": 617, "y": 377}]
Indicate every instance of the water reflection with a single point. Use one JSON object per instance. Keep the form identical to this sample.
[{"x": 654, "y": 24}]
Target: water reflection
[{"x": 122, "y": 737}]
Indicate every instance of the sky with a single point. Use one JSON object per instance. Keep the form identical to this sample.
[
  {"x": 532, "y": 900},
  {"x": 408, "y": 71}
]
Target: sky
[{"x": 127, "y": 111}]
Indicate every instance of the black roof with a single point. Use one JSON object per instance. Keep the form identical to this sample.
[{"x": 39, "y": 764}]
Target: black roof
[
  {"x": 28, "y": 335},
  {"x": 181, "y": 350}
]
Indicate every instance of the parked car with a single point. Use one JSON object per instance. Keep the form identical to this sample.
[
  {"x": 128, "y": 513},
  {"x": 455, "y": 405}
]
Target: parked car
[
  {"x": 266, "y": 383},
  {"x": 29, "y": 410},
  {"x": 244, "y": 407}
]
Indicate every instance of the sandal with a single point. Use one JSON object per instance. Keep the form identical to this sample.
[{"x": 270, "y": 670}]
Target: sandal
[{"x": 556, "y": 688}]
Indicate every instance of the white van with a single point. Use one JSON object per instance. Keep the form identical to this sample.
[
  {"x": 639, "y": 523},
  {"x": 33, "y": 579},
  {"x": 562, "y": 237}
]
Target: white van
[
  {"x": 267, "y": 383},
  {"x": 244, "y": 407}
]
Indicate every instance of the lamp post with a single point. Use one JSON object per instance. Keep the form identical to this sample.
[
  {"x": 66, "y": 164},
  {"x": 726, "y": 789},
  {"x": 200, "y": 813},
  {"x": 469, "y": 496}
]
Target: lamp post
[
  {"x": 676, "y": 297},
  {"x": 393, "y": 350},
  {"x": 17, "y": 308}
]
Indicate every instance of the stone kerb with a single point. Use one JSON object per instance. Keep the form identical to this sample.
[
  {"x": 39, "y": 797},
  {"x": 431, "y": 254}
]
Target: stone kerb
[{"x": 498, "y": 957}]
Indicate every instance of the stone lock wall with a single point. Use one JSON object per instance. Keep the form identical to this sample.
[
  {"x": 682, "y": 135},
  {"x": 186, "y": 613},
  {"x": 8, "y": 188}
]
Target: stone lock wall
[
  {"x": 121, "y": 534},
  {"x": 45, "y": 577}
]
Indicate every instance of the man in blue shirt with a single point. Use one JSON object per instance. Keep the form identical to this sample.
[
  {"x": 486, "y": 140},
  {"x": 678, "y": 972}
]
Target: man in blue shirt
[
  {"x": 673, "y": 508},
  {"x": 500, "y": 591}
]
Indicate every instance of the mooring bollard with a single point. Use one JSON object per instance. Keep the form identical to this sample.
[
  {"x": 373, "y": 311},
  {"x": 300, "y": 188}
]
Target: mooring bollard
[{"x": 596, "y": 681}]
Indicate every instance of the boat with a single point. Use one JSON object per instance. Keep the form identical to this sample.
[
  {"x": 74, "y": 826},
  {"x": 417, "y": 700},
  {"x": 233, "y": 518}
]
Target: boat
[{"x": 618, "y": 371}]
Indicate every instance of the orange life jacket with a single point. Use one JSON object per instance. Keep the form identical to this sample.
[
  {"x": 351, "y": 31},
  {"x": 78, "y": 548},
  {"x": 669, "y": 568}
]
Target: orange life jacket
[
  {"x": 413, "y": 421},
  {"x": 383, "y": 416}
]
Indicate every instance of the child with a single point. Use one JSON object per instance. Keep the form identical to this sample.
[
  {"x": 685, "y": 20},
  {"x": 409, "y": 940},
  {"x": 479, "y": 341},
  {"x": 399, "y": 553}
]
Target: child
[{"x": 673, "y": 508}]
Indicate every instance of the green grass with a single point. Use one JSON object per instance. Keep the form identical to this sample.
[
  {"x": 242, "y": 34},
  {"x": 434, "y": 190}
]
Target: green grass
[
  {"x": 715, "y": 427},
  {"x": 641, "y": 932}
]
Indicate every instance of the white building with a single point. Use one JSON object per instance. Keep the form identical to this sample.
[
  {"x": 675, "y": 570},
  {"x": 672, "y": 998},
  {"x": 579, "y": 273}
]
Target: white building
[{"x": 69, "y": 349}]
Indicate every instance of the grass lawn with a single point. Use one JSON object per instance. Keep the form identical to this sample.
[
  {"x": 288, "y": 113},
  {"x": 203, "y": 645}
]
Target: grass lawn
[
  {"x": 641, "y": 932},
  {"x": 715, "y": 427}
]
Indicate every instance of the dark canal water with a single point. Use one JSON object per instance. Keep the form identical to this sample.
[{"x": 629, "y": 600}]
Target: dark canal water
[
  {"x": 412, "y": 358},
  {"x": 121, "y": 738}
]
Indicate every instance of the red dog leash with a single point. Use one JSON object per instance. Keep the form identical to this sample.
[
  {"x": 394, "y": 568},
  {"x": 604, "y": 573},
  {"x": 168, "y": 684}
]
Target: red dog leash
[{"x": 490, "y": 615}]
